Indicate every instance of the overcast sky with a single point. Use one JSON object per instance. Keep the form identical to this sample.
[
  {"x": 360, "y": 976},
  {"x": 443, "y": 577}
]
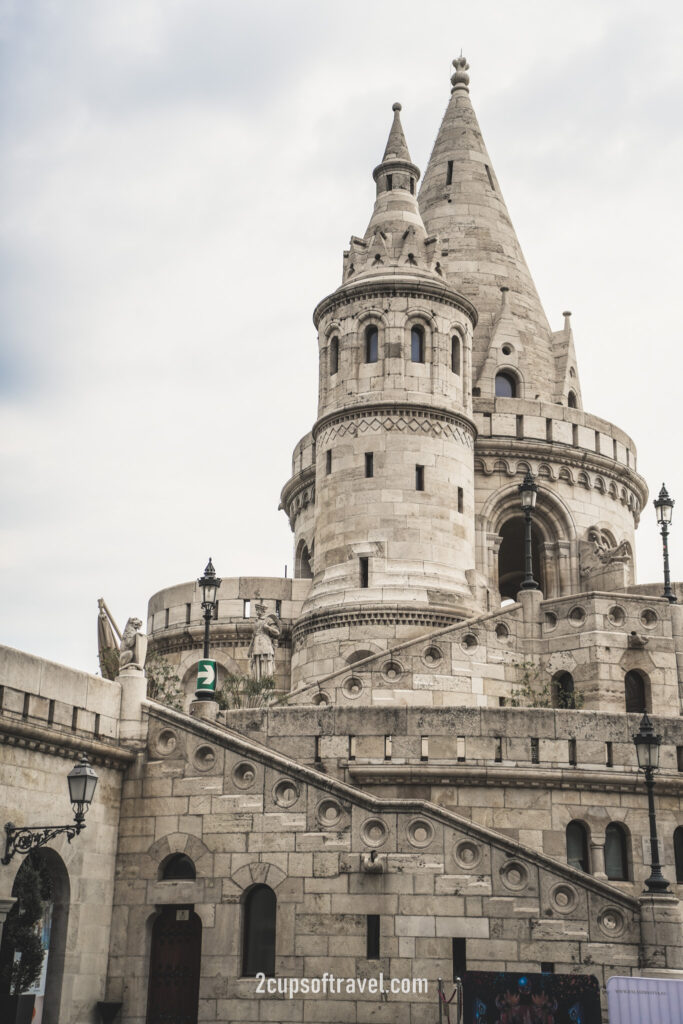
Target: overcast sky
[{"x": 179, "y": 179}]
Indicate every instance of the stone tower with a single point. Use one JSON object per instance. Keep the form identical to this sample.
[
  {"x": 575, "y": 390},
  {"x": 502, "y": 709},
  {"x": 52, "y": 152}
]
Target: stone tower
[{"x": 389, "y": 538}]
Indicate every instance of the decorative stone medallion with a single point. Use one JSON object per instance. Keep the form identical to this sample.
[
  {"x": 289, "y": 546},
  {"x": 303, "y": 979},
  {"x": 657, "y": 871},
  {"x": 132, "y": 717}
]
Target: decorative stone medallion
[
  {"x": 204, "y": 758},
  {"x": 432, "y": 656},
  {"x": 244, "y": 775},
  {"x": 649, "y": 618},
  {"x": 374, "y": 832},
  {"x": 392, "y": 671},
  {"x": 611, "y": 921},
  {"x": 352, "y": 687},
  {"x": 467, "y": 854},
  {"x": 329, "y": 813},
  {"x": 420, "y": 832},
  {"x": 166, "y": 742},
  {"x": 577, "y": 616},
  {"x": 285, "y": 793},
  {"x": 514, "y": 875},
  {"x": 616, "y": 615},
  {"x": 563, "y": 898}
]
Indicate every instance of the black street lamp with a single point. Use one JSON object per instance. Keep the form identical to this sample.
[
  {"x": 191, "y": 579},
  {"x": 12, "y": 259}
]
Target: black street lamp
[
  {"x": 664, "y": 506},
  {"x": 528, "y": 491},
  {"x": 206, "y": 680},
  {"x": 82, "y": 781},
  {"x": 647, "y": 749}
]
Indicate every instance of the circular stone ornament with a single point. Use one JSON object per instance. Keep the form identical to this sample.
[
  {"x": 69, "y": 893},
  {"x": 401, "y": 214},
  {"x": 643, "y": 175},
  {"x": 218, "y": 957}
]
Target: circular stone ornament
[
  {"x": 467, "y": 854},
  {"x": 564, "y": 898},
  {"x": 616, "y": 615},
  {"x": 166, "y": 742},
  {"x": 514, "y": 875},
  {"x": 611, "y": 921},
  {"x": 392, "y": 671},
  {"x": 649, "y": 618},
  {"x": 285, "y": 792},
  {"x": 352, "y": 687},
  {"x": 204, "y": 758},
  {"x": 244, "y": 775},
  {"x": 374, "y": 832},
  {"x": 432, "y": 656},
  {"x": 420, "y": 832},
  {"x": 329, "y": 813},
  {"x": 577, "y": 616}
]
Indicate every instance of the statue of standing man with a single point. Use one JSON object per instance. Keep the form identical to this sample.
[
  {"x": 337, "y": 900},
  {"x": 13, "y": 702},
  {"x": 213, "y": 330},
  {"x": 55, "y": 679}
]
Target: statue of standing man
[{"x": 261, "y": 648}]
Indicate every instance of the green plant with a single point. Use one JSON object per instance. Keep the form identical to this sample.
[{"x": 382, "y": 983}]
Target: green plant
[
  {"x": 532, "y": 691},
  {"x": 21, "y": 933},
  {"x": 163, "y": 684},
  {"x": 244, "y": 692}
]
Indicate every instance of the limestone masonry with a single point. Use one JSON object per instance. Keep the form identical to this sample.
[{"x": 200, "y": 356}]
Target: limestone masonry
[{"x": 447, "y": 780}]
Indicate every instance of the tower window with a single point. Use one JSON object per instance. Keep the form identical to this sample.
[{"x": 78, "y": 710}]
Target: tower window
[
  {"x": 535, "y": 750},
  {"x": 328, "y": 461},
  {"x": 424, "y": 748},
  {"x": 258, "y": 943},
  {"x": 371, "y": 344},
  {"x": 390, "y": 182},
  {"x": 616, "y": 854},
  {"x": 364, "y": 567},
  {"x": 419, "y": 478},
  {"x": 577, "y": 846},
  {"x": 461, "y": 500},
  {"x": 372, "y": 945},
  {"x": 369, "y": 464},
  {"x": 455, "y": 354},
  {"x": 412, "y": 186},
  {"x": 246, "y": 609},
  {"x": 334, "y": 356},
  {"x": 188, "y": 612},
  {"x": 417, "y": 345},
  {"x": 506, "y": 386},
  {"x": 571, "y": 400},
  {"x": 489, "y": 176},
  {"x": 449, "y": 173},
  {"x": 635, "y": 692}
]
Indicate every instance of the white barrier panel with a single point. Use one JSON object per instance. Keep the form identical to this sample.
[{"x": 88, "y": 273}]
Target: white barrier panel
[{"x": 645, "y": 1001}]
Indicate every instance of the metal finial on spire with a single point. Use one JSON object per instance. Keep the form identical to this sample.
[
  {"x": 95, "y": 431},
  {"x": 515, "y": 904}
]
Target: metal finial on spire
[{"x": 460, "y": 79}]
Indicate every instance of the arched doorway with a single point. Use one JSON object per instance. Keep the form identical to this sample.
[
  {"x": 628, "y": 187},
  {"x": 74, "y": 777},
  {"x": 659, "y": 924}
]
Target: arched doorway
[
  {"x": 49, "y": 874},
  {"x": 511, "y": 569},
  {"x": 174, "y": 967}
]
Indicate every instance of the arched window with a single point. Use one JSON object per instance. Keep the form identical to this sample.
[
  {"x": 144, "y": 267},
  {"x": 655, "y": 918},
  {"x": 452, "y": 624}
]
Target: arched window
[
  {"x": 577, "y": 846},
  {"x": 371, "y": 344},
  {"x": 302, "y": 564},
  {"x": 571, "y": 400},
  {"x": 178, "y": 866},
  {"x": 616, "y": 853},
  {"x": 455, "y": 354},
  {"x": 635, "y": 692},
  {"x": 506, "y": 385},
  {"x": 511, "y": 568},
  {"x": 334, "y": 356},
  {"x": 562, "y": 690},
  {"x": 417, "y": 344},
  {"x": 258, "y": 933},
  {"x": 678, "y": 853}
]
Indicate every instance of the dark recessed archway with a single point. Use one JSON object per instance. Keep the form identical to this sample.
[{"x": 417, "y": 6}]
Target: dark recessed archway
[{"x": 511, "y": 557}]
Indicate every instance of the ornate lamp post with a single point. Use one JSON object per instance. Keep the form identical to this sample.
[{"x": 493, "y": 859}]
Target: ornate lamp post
[
  {"x": 206, "y": 675},
  {"x": 528, "y": 491},
  {"x": 664, "y": 506},
  {"x": 647, "y": 749},
  {"x": 82, "y": 781}
]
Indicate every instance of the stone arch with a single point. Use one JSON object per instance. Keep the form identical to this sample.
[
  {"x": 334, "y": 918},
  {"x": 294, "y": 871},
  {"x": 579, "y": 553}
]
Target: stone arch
[
  {"x": 179, "y": 842},
  {"x": 515, "y": 374},
  {"x": 187, "y": 670},
  {"x": 303, "y": 569},
  {"x": 553, "y": 533}
]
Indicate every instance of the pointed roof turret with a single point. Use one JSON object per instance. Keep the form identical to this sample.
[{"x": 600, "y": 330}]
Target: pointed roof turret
[
  {"x": 395, "y": 238},
  {"x": 460, "y": 200}
]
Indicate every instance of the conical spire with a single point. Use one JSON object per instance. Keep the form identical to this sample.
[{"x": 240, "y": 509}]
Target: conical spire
[
  {"x": 395, "y": 238},
  {"x": 460, "y": 200}
]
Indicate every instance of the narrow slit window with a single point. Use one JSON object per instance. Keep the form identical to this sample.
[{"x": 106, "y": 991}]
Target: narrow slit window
[
  {"x": 258, "y": 942},
  {"x": 188, "y": 613},
  {"x": 372, "y": 944},
  {"x": 461, "y": 500},
  {"x": 364, "y": 567},
  {"x": 679, "y": 756},
  {"x": 548, "y": 430},
  {"x": 278, "y": 609},
  {"x": 246, "y": 610},
  {"x": 328, "y": 461},
  {"x": 609, "y": 756},
  {"x": 412, "y": 186},
  {"x": 424, "y": 748},
  {"x": 74, "y": 719},
  {"x": 167, "y": 615},
  {"x": 597, "y": 441},
  {"x": 390, "y": 182},
  {"x": 334, "y": 356},
  {"x": 498, "y": 749},
  {"x": 2, "y": 699},
  {"x": 489, "y": 176},
  {"x": 575, "y": 434},
  {"x": 27, "y": 705},
  {"x": 352, "y": 748},
  {"x": 419, "y": 478},
  {"x": 460, "y": 748},
  {"x": 572, "y": 752},
  {"x": 51, "y": 712},
  {"x": 520, "y": 426},
  {"x": 369, "y": 464},
  {"x": 316, "y": 749},
  {"x": 535, "y": 750},
  {"x": 455, "y": 354},
  {"x": 371, "y": 344},
  {"x": 387, "y": 748},
  {"x": 97, "y": 724},
  {"x": 547, "y": 967},
  {"x": 417, "y": 345},
  {"x": 459, "y": 954},
  {"x": 449, "y": 173}
]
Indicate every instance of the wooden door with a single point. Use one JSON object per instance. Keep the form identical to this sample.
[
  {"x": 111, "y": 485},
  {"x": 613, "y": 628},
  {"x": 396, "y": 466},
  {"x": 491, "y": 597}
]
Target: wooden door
[{"x": 174, "y": 966}]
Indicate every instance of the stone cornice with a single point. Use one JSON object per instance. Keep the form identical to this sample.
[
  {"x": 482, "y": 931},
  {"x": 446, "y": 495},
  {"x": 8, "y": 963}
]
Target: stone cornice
[
  {"x": 360, "y": 411},
  {"x": 230, "y": 740},
  {"x": 395, "y": 285},
  {"x": 70, "y": 745}
]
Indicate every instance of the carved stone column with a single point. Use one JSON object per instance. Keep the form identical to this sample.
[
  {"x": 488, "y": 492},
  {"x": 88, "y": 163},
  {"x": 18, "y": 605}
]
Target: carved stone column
[{"x": 598, "y": 857}]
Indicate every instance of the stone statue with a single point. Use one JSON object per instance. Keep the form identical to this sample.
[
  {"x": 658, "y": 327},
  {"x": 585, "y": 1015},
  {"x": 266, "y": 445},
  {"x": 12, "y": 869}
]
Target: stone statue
[
  {"x": 598, "y": 552},
  {"x": 133, "y": 646},
  {"x": 261, "y": 648}
]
